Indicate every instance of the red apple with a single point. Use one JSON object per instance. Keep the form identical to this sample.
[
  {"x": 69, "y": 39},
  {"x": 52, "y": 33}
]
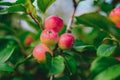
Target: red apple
[
  {"x": 54, "y": 22},
  {"x": 39, "y": 52},
  {"x": 66, "y": 41},
  {"x": 118, "y": 58},
  {"x": 115, "y": 16},
  {"x": 28, "y": 40},
  {"x": 49, "y": 37}
]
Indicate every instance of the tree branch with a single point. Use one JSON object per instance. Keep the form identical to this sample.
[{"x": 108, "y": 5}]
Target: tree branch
[
  {"x": 72, "y": 17},
  {"x": 38, "y": 23},
  {"x": 51, "y": 77},
  {"x": 27, "y": 58}
]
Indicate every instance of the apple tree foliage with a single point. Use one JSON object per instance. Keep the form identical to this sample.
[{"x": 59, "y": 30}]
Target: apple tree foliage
[{"x": 94, "y": 55}]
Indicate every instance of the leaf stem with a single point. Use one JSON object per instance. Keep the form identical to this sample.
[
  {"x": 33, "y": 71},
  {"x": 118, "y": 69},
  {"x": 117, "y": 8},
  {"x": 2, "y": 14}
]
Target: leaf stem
[{"x": 71, "y": 18}]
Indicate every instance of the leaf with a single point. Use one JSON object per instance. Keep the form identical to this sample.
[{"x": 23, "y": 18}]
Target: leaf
[
  {"x": 13, "y": 9},
  {"x": 110, "y": 73},
  {"x": 20, "y": 2},
  {"x": 99, "y": 22},
  {"x": 5, "y": 27},
  {"x": 77, "y": 32},
  {"x": 106, "y": 50},
  {"x": 7, "y": 37},
  {"x": 57, "y": 65},
  {"x": 6, "y": 53},
  {"x": 84, "y": 47},
  {"x": 63, "y": 78},
  {"x": 23, "y": 1},
  {"x": 100, "y": 64},
  {"x": 48, "y": 60},
  {"x": 98, "y": 2},
  {"x": 71, "y": 64},
  {"x": 5, "y": 3},
  {"x": 81, "y": 46},
  {"x": 5, "y": 67},
  {"x": 63, "y": 30},
  {"x": 44, "y": 4}
]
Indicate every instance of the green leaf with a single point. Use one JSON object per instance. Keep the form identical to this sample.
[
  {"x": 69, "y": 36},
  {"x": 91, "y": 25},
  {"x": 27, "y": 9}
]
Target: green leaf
[
  {"x": 5, "y": 27},
  {"x": 63, "y": 78},
  {"x": 84, "y": 48},
  {"x": 6, "y": 53},
  {"x": 7, "y": 37},
  {"x": 106, "y": 50},
  {"x": 57, "y": 65},
  {"x": 100, "y": 64},
  {"x": 44, "y": 4},
  {"x": 81, "y": 46},
  {"x": 13, "y": 9},
  {"x": 5, "y": 4},
  {"x": 98, "y": 2},
  {"x": 77, "y": 32},
  {"x": 110, "y": 73},
  {"x": 23, "y": 1},
  {"x": 20, "y": 1},
  {"x": 48, "y": 60},
  {"x": 5, "y": 67},
  {"x": 71, "y": 64},
  {"x": 63, "y": 30},
  {"x": 99, "y": 22}
]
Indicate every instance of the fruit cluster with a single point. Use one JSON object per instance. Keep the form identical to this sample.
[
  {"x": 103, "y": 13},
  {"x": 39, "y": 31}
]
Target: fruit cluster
[
  {"x": 115, "y": 16},
  {"x": 49, "y": 38}
]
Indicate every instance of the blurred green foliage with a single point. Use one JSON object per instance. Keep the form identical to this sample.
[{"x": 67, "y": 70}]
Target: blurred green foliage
[{"x": 93, "y": 56}]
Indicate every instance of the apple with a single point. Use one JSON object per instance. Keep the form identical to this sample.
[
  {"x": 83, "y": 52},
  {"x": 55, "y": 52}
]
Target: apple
[{"x": 54, "y": 22}]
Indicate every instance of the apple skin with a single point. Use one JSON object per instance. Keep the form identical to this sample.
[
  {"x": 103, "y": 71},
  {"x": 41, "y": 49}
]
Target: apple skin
[
  {"x": 66, "y": 41},
  {"x": 39, "y": 52},
  {"x": 49, "y": 37},
  {"x": 115, "y": 16},
  {"x": 54, "y": 22}
]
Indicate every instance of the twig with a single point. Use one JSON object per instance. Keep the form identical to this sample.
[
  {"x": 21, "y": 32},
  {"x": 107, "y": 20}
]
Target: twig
[
  {"x": 27, "y": 58},
  {"x": 36, "y": 20},
  {"x": 72, "y": 17},
  {"x": 51, "y": 77},
  {"x": 113, "y": 37}
]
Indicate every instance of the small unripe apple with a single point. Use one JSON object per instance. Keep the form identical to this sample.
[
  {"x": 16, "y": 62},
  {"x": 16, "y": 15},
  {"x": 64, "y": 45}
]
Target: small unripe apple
[
  {"x": 53, "y": 22},
  {"x": 115, "y": 16},
  {"x": 39, "y": 52},
  {"x": 49, "y": 37},
  {"x": 118, "y": 58},
  {"x": 66, "y": 41},
  {"x": 28, "y": 40}
]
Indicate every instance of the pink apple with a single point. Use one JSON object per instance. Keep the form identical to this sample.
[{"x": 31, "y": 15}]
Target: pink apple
[
  {"x": 49, "y": 37},
  {"x": 66, "y": 41},
  {"x": 54, "y": 22},
  {"x": 115, "y": 16},
  {"x": 28, "y": 40},
  {"x": 39, "y": 52}
]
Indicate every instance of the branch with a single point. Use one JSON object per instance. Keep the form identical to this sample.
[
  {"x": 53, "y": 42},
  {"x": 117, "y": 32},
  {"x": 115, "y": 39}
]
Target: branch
[
  {"x": 27, "y": 58},
  {"x": 51, "y": 77},
  {"x": 71, "y": 18},
  {"x": 38, "y": 23}
]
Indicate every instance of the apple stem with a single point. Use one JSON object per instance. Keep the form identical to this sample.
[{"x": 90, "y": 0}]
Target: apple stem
[{"x": 71, "y": 18}]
